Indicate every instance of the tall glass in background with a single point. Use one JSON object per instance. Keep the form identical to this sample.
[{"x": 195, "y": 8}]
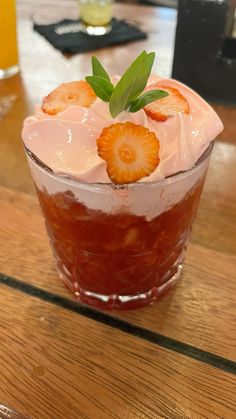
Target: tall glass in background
[
  {"x": 8, "y": 39},
  {"x": 96, "y": 16}
]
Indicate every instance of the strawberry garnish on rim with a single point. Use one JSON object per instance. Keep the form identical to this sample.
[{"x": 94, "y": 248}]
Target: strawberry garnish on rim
[
  {"x": 131, "y": 151},
  {"x": 74, "y": 93},
  {"x": 162, "y": 109}
]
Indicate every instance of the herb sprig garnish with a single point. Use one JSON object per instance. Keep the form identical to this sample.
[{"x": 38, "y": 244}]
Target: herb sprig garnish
[{"x": 127, "y": 94}]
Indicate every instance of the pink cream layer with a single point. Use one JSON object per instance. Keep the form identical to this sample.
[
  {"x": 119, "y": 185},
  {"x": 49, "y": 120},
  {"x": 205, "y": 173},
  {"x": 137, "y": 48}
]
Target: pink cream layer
[{"x": 67, "y": 142}]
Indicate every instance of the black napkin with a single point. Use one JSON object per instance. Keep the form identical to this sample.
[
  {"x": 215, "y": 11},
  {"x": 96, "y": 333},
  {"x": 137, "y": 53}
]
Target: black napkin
[{"x": 67, "y": 35}]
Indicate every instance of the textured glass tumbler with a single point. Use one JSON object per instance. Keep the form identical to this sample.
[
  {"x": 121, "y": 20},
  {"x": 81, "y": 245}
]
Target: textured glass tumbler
[{"x": 119, "y": 246}]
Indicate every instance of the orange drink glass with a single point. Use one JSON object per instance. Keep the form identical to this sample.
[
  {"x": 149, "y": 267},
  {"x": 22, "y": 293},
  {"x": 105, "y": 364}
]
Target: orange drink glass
[{"x": 8, "y": 39}]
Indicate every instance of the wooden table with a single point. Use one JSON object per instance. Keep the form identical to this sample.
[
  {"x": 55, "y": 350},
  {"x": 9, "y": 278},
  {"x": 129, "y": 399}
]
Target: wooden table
[{"x": 60, "y": 359}]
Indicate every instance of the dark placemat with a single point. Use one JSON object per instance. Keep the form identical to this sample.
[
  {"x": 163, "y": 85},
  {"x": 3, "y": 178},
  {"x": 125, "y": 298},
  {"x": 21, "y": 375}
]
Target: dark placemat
[{"x": 67, "y": 35}]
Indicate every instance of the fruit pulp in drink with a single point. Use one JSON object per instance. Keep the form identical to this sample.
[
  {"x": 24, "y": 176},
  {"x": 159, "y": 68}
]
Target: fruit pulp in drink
[{"x": 118, "y": 260}]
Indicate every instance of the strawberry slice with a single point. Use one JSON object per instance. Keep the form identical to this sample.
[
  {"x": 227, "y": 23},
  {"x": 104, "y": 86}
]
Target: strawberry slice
[
  {"x": 162, "y": 109},
  {"x": 130, "y": 150},
  {"x": 73, "y": 93}
]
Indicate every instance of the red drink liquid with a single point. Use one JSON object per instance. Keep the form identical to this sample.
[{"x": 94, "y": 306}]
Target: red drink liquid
[{"x": 119, "y": 259}]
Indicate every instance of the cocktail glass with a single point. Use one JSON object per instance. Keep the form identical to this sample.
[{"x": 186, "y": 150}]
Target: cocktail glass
[{"x": 119, "y": 246}]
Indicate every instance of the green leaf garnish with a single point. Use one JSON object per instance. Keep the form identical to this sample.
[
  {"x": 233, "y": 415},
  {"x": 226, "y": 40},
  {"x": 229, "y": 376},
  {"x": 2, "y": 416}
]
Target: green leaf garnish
[
  {"x": 130, "y": 85},
  {"x": 126, "y": 94},
  {"x": 147, "y": 98},
  {"x": 150, "y": 60},
  {"x": 98, "y": 69},
  {"x": 102, "y": 87}
]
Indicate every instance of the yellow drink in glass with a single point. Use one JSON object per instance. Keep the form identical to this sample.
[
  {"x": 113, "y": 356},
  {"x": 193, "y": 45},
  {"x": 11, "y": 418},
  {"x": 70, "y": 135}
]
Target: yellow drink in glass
[
  {"x": 8, "y": 39},
  {"x": 96, "y": 15}
]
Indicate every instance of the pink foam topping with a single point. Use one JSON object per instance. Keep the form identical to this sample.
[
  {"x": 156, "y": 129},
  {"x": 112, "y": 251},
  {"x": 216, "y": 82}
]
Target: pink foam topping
[{"x": 67, "y": 142}]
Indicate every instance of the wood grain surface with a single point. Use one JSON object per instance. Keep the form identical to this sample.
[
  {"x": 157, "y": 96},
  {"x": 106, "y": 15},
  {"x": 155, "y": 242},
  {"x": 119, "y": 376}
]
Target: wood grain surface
[
  {"x": 59, "y": 359},
  {"x": 20, "y": 94},
  {"x": 38, "y": 76},
  {"x": 63, "y": 365},
  {"x": 199, "y": 311}
]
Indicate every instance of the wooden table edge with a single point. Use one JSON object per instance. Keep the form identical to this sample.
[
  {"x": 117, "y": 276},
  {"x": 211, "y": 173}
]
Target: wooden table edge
[{"x": 105, "y": 318}]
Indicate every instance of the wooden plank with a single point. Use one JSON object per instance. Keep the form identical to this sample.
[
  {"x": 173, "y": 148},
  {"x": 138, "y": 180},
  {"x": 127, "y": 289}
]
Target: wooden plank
[
  {"x": 215, "y": 226},
  {"x": 200, "y": 311},
  {"x": 74, "y": 367},
  {"x": 158, "y": 22},
  {"x": 20, "y": 94}
]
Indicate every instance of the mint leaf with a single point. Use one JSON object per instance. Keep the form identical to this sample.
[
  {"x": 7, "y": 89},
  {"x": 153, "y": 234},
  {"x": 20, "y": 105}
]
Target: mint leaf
[
  {"x": 98, "y": 69},
  {"x": 131, "y": 84},
  {"x": 102, "y": 87},
  {"x": 147, "y": 98},
  {"x": 126, "y": 94},
  {"x": 150, "y": 61}
]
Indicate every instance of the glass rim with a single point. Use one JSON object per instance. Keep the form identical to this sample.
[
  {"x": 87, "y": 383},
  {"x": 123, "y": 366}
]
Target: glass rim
[{"x": 159, "y": 182}]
